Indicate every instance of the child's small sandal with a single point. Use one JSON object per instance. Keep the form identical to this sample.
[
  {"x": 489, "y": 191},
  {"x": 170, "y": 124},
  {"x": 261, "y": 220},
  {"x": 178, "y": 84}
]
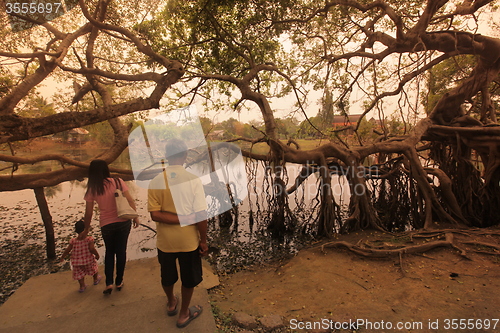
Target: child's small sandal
[
  {"x": 96, "y": 282},
  {"x": 81, "y": 290}
]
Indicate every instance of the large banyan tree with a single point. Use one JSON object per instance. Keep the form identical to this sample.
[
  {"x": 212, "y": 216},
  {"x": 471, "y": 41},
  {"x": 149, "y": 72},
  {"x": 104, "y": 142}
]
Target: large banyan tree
[{"x": 383, "y": 57}]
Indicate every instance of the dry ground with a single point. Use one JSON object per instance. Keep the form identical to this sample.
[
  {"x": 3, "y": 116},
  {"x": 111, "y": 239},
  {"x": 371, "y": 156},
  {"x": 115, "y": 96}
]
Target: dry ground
[{"x": 335, "y": 284}]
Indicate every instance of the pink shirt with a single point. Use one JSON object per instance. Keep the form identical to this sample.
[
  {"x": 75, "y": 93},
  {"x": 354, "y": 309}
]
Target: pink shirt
[{"x": 106, "y": 202}]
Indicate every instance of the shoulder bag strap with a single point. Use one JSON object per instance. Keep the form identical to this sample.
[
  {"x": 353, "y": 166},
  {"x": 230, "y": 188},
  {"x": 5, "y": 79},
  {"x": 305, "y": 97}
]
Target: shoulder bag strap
[{"x": 118, "y": 184}]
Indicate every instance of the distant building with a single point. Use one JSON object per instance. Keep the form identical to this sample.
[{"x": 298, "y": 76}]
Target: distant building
[
  {"x": 352, "y": 120},
  {"x": 376, "y": 122},
  {"x": 343, "y": 121},
  {"x": 216, "y": 135},
  {"x": 77, "y": 135}
]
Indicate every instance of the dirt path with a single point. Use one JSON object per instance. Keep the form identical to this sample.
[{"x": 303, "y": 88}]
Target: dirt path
[{"x": 316, "y": 286}]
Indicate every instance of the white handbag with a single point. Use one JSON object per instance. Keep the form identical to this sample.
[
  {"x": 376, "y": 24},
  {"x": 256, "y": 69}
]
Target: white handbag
[{"x": 122, "y": 206}]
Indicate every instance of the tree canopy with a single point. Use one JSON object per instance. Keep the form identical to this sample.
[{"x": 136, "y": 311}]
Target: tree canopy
[{"x": 423, "y": 62}]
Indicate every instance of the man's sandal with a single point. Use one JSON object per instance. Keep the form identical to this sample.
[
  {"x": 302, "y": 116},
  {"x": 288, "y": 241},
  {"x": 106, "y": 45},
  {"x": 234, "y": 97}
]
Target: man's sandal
[
  {"x": 175, "y": 310},
  {"x": 194, "y": 312}
]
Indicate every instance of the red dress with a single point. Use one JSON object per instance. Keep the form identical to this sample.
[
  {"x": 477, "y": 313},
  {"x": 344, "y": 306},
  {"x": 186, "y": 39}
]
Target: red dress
[{"x": 82, "y": 261}]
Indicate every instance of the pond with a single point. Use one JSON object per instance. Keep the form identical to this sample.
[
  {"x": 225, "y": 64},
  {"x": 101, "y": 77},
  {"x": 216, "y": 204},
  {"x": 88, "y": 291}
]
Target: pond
[{"x": 20, "y": 217}]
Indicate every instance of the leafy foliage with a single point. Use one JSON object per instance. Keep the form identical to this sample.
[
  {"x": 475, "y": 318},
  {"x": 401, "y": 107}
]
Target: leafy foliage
[{"x": 444, "y": 76}]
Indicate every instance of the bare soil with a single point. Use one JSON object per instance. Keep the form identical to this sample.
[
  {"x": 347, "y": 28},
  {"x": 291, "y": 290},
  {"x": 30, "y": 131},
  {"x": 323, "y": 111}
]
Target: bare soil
[{"x": 423, "y": 292}]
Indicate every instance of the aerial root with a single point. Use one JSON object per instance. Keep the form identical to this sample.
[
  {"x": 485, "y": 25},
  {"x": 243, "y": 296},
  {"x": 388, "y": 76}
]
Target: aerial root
[
  {"x": 438, "y": 238},
  {"x": 383, "y": 253}
]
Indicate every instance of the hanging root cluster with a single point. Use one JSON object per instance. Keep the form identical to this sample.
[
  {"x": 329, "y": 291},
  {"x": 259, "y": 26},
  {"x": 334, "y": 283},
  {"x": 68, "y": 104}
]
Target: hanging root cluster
[
  {"x": 478, "y": 200},
  {"x": 396, "y": 198}
]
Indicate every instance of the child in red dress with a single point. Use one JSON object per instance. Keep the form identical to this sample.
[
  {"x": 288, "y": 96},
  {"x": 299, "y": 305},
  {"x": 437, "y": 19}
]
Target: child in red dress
[{"x": 84, "y": 256}]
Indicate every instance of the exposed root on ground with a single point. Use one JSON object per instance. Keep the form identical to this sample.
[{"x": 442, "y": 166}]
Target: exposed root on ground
[{"x": 428, "y": 240}]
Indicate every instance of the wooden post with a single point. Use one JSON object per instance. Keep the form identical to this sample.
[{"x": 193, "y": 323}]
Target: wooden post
[{"x": 47, "y": 222}]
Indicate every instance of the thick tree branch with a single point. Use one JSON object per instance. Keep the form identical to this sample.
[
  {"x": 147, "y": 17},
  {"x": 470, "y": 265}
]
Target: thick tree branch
[{"x": 10, "y": 101}]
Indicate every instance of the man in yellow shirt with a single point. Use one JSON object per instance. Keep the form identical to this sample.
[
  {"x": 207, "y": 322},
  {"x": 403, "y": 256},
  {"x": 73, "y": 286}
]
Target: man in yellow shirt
[{"x": 176, "y": 202}]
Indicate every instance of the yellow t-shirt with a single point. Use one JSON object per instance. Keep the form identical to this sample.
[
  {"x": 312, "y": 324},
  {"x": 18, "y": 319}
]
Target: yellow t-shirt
[{"x": 181, "y": 193}]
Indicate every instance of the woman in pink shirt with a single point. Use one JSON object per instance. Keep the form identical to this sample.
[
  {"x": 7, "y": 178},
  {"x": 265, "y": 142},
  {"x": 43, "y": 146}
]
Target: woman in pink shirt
[{"x": 101, "y": 189}]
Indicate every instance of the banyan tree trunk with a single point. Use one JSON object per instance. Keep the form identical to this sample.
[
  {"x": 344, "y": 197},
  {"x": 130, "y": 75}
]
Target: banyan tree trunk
[{"x": 47, "y": 222}]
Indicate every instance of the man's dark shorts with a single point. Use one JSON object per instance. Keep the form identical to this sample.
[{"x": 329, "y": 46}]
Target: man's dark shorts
[{"x": 189, "y": 264}]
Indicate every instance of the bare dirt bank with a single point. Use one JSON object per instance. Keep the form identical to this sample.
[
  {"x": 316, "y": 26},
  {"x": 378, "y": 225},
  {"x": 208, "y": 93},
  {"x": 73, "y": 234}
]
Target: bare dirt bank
[{"x": 335, "y": 284}]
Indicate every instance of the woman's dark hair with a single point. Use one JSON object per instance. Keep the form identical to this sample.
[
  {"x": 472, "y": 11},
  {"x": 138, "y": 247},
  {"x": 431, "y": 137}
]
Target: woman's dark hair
[
  {"x": 98, "y": 172},
  {"x": 79, "y": 226}
]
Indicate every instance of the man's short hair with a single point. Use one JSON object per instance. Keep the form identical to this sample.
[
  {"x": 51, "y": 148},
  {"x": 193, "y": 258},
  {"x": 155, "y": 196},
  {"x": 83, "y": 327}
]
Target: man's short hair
[{"x": 175, "y": 148}]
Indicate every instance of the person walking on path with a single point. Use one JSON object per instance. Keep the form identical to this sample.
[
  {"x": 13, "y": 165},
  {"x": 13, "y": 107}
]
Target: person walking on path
[
  {"x": 115, "y": 231},
  {"x": 84, "y": 256},
  {"x": 176, "y": 202}
]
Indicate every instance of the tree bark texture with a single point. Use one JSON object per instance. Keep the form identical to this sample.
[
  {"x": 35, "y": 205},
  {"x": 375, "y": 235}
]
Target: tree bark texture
[{"x": 47, "y": 222}]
